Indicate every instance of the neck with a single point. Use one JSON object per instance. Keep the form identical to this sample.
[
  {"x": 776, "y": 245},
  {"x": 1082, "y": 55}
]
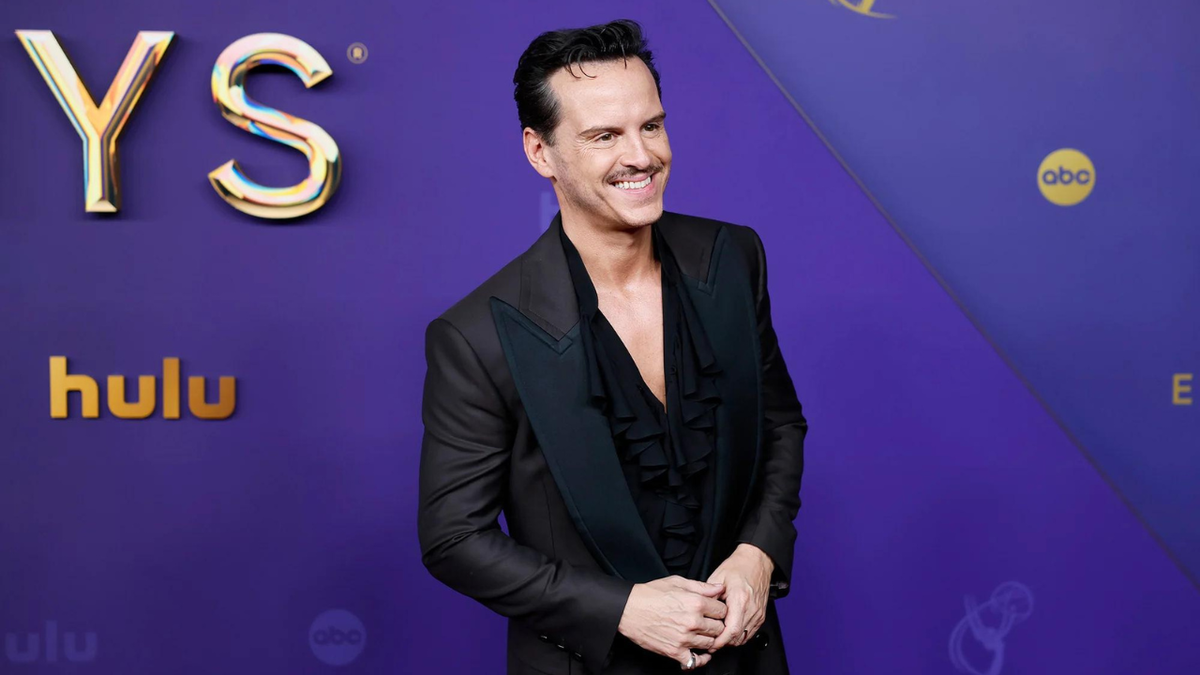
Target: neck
[{"x": 614, "y": 257}]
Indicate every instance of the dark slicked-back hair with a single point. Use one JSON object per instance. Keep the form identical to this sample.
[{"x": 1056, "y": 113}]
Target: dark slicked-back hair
[{"x": 536, "y": 105}]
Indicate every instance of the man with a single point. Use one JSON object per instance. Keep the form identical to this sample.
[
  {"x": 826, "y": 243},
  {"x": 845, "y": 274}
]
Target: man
[{"x": 618, "y": 392}]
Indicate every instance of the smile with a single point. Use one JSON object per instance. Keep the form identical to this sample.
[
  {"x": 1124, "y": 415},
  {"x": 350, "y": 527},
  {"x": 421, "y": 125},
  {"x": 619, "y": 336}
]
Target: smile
[{"x": 636, "y": 187}]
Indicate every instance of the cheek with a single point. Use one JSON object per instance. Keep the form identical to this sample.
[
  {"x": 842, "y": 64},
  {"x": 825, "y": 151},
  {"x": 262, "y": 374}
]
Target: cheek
[
  {"x": 664, "y": 154},
  {"x": 600, "y": 173},
  {"x": 664, "y": 146}
]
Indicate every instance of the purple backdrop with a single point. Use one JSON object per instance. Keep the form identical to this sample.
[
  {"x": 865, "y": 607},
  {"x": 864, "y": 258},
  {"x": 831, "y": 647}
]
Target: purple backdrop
[{"x": 189, "y": 546}]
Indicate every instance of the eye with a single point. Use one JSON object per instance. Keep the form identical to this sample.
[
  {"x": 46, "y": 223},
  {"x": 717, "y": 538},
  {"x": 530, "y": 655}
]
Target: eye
[
  {"x": 605, "y": 137},
  {"x": 653, "y": 126}
]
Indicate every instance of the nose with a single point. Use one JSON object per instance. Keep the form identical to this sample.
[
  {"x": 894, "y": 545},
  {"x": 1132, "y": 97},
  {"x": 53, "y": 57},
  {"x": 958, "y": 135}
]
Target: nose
[{"x": 636, "y": 154}]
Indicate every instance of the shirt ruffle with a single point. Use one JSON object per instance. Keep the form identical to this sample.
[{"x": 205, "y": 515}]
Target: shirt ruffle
[{"x": 670, "y": 458}]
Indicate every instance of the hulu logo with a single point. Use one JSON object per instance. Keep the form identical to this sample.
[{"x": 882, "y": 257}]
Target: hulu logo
[
  {"x": 62, "y": 383},
  {"x": 46, "y": 646}
]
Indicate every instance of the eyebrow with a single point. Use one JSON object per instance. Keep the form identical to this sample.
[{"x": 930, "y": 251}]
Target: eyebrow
[{"x": 587, "y": 133}]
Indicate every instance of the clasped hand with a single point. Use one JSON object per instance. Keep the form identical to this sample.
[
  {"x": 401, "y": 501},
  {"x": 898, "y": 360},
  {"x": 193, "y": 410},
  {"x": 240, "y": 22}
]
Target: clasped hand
[
  {"x": 746, "y": 578},
  {"x": 673, "y": 616}
]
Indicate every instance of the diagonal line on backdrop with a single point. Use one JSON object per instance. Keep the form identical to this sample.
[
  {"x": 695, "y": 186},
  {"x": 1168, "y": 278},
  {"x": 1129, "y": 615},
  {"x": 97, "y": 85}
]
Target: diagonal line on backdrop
[{"x": 953, "y": 296}]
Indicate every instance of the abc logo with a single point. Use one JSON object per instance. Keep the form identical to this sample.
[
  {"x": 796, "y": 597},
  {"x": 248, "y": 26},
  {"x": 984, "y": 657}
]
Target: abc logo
[
  {"x": 337, "y": 637},
  {"x": 1066, "y": 177}
]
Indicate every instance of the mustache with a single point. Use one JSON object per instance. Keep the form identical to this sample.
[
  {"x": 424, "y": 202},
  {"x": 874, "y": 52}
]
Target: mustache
[{"x": 651, "y": 170}]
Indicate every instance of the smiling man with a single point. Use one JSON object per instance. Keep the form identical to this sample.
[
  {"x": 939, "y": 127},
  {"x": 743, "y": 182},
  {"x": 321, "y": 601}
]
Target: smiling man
[{"x": 618, "y": 392}]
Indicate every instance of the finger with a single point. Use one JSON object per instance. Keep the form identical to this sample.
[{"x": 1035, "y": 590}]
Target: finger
[
  {"x": 752, "y": 626},
  {"x": 722, "y": 640},
  {"x": 714, "y": 609},
  {"x": 710, "y": 627},
  {"x": 760, "y": 617},
  {"x": 739, "y": 638},
  {"x": 699, "y": 643},
  {"x": 733, "y": 622},
  {"x": 749, "y": 625},
  {"x": 701, "y": 660},
  {"x": 701, "y": 587},
  {"x": 684, "y": 655}
]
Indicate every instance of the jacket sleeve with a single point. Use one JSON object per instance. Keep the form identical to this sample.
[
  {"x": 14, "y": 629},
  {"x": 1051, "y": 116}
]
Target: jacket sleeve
[
  {"x": 465, "y": 454},
  {"x": 769, "y": 523}
]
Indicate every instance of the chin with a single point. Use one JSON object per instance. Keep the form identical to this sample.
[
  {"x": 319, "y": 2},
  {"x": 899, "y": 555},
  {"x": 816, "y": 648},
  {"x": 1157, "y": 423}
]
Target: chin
[{"x": 647, "y": 215}]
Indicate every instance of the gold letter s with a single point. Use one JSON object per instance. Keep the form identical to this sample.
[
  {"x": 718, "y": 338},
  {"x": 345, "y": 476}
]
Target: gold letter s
[{"x": 229, "y": 92}]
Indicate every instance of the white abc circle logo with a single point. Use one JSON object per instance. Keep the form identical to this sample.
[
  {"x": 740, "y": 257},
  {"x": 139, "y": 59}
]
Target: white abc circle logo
[
  {"x": 1066, "y": 177},
  {"x": 337, "y": 637}
]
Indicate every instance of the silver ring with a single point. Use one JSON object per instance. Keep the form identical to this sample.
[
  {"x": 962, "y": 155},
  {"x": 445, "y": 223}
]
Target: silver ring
[{"x": 691, "y": 660}]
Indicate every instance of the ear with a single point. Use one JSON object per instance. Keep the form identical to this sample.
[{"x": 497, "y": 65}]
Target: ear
[{"x": 538, "y": 153}]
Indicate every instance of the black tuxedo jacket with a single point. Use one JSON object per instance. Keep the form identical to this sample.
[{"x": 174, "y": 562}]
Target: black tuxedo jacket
[{"x": 508, "y": 428}]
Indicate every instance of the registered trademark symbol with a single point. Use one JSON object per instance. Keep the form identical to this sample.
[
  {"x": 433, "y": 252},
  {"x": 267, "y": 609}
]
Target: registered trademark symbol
[{"x": 356, "y": 52}]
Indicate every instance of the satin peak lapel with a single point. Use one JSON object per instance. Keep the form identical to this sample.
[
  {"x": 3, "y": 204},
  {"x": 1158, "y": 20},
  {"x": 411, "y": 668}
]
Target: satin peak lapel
[
  {"x": 725, "y": 306},
  {"x": 545, "y": 356}
]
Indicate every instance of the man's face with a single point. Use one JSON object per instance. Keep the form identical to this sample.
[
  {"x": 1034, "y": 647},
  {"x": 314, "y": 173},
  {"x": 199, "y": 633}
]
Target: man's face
[{"x": 610, "y": 140}]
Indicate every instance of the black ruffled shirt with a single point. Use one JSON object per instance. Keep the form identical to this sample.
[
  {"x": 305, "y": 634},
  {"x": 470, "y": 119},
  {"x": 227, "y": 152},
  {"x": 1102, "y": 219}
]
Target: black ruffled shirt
[{"x": 667, "y": 454}]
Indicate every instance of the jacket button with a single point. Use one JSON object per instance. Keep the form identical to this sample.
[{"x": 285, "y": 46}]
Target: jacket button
[
  {"x": 761, "y": 640},
  {"x": 577, "y": 655},
  {"x": 544, "y": 638}
]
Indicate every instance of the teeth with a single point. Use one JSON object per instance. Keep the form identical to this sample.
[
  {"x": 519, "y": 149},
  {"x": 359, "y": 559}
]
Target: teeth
[{"x": 626, "y": 185}]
